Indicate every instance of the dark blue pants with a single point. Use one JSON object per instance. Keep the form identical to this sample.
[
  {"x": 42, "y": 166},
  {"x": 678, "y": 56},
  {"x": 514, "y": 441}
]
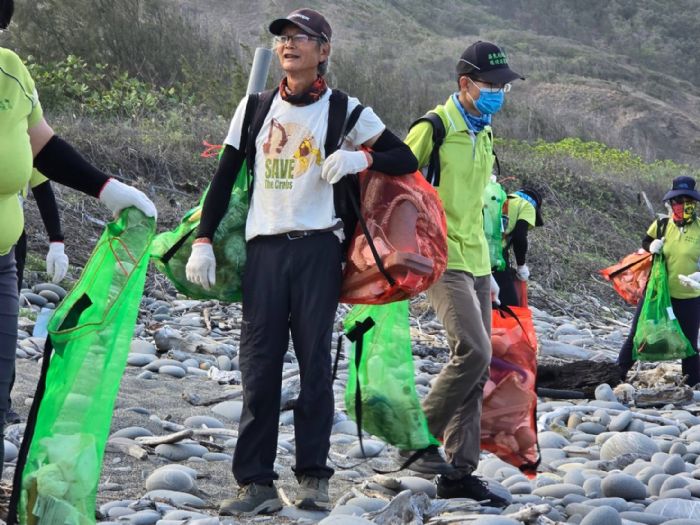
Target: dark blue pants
[
  {"x": 288, "y": 286},
  {"x": 506, "y": 285},
  {"x": 687, "y": 312},
  {"x": 9, "y": 307}
]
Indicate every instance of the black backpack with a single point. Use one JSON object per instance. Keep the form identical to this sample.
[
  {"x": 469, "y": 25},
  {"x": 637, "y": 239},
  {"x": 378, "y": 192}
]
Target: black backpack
[
  {"x": 338, "y": 128},
  {"x": 439, "y": 133}
]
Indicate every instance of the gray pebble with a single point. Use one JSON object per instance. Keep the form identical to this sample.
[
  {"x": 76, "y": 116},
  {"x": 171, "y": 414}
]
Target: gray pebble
[
  {"x": 628, "y": 443},
  {"x": 180, "y": 451},
  {"x": 372, "y": 449},
  {"x": 368, "y": 504},
  {"x": 230, "y": 410},
  {"x": 341, "y": 519},
  {"x": 131, "y": 432},
  {"x": 179, "y": 499},
  {"x": 621, "y": 421},
  {"x": 203, "y": 421},
  {"x": 674, "y": 465},
  {"x": 623, "y": 486},
  {"x": 558, "y": 491},
  {"x": 174, "y": 371},
  {"x": 602, "y": 516},
  {"x": 166, "y": 478}
]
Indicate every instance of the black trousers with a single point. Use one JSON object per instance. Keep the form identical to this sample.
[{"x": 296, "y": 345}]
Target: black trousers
[
  {"x": 9, "y": 307},
  {"x": 506, "y": 284},
  {"x": 288, "y": 286},
  {"x": 687, "y": 311}
]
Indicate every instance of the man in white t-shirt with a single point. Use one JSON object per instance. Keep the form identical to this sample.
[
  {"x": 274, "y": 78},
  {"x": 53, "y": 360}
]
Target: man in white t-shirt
[{"x": 292, "y": 277}]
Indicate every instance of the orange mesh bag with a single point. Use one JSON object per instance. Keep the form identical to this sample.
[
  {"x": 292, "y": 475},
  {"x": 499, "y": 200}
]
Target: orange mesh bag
[
  {"x": 508, "y": 415},
  {"x": 406, "y": 222},
  {"x": 629, "y": 277}
]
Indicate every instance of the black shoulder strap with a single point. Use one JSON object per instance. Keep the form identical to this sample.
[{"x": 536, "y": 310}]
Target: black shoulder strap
[
  {"x": 259, "y": 111},
  {"x": 661, "y": 225},
  {"x": 337, "y": 113},
  {"x": 433, "y": 175}
]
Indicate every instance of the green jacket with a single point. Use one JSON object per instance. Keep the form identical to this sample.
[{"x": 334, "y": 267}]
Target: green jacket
[{"x": 466, "y": 161}]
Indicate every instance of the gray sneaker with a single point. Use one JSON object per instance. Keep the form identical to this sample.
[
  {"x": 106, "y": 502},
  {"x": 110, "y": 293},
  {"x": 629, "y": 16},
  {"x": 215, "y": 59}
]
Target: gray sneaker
[
  {"x": 251, "y": 500},
  {"x": 313, "y": 494}
]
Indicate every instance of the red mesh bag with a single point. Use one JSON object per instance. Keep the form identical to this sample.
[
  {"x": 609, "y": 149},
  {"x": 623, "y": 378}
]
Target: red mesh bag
[
  {"x": 629, "y": 277},
  {"x": 508, "y": 415},
  {"x": 406, "y": 223}
]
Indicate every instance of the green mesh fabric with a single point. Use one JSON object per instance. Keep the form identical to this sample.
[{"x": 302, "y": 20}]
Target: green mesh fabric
[
  {"x": 171, "y": 250},
  {"x": 659, "y": 336},
  {"x": 91, "y": 332},
  {"x": 390, "y": 406},
  {"x": 494, "y": 197}
]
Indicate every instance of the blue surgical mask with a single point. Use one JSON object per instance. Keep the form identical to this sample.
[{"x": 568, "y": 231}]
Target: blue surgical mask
[{"x": 489, "y": 102}]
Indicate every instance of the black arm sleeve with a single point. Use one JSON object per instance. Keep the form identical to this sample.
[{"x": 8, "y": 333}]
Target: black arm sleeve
[
  {"x": 46, "y": 201},
  {"x": 60, "y": 162},
  {"x": 391, "y": 156},
  {"x": 646, "y": 242},
  {"x": 519, "y": 241},
  {"x": 216, "y": 202}
]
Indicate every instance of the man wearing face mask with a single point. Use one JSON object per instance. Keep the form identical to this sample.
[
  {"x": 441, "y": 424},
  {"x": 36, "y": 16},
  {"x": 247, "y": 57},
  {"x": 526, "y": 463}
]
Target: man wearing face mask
[
  {"x": 462, "y": 297},
  {"x": 678, "y": 238}
]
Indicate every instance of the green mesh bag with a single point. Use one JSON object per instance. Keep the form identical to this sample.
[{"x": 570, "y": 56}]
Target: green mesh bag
[
  {"x": 91, "y": 333},
  {"x": 381, "y": 390},
  {"x": 494, "y": 197},
  {"x": 171, "y": 250},
  {"x": 659, "y": 336}
]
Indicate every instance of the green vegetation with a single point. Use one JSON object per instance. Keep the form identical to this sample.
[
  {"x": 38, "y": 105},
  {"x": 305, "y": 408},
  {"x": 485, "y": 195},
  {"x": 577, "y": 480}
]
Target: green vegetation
[{"x": 610, "y": 97}]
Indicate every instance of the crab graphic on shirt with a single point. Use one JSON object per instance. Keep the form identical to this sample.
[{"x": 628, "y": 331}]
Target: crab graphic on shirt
[{"x": 290, "y": 150}]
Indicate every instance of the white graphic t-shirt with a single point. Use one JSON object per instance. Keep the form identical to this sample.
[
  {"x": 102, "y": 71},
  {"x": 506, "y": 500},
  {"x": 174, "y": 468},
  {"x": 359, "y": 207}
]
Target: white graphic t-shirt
[{"x": 289, "y": 193}]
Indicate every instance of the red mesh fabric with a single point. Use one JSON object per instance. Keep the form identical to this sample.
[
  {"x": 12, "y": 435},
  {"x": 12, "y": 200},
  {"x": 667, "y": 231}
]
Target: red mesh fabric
[
  {"x": 407, "y": 223},
  {"x": 508, "y": 417},
  {"x": 629, "y": 277}
]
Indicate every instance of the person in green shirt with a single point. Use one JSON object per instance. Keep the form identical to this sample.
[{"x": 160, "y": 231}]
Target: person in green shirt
[
  {"x": 521, "y": 213},
  {"x": 27, "y": 141},
  {"x": 679, "y": 241},
  {"x": 462, "y": 297}
]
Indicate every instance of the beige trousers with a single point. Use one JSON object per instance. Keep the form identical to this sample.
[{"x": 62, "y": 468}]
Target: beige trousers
[{"x": 453, "y": 406}]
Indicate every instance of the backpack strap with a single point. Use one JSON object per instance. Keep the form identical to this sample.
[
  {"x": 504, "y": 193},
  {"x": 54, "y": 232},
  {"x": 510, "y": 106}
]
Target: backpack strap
[
  {"x": 661, "y": 225},
  {"x": 433, "y": 175},
  {"x": 337, "y": 116},
  {"x": 259, "y": 111}
]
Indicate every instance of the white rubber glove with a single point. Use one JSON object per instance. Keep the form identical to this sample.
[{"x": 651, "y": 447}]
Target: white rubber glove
[
  {"x": 691, "y": 281},
  {"x": 495, "y": 291},
  {"x": 341, "y": 163},
  {"x": 522, "y": 272},
  {"x": 116, "y": 196},
  {"x": 56, "y": 262},
  {"x": 201, "y": 266},
  {"x": 656, "y": 246}
]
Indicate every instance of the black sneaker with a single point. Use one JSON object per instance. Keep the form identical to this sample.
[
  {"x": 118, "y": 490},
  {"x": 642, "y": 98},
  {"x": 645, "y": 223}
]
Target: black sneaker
[
  {"x": 428, "y": 462},
  {"x": 12, "y": 417},
  {"x": 469, "y": 487},
  {"x": 313, "y": 494}
]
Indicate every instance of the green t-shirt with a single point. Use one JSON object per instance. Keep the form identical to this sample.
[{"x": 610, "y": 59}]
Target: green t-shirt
[
  {"x": 682, "y": 252},
  {"x": 19, "y": 111},
  {"x": 518, "y": 209},
  {"x": 466, "y": 161}
]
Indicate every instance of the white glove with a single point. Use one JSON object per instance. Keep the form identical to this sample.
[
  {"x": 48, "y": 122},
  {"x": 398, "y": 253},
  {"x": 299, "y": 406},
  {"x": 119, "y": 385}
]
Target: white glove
[
  {"x": 201, "y": 266},
  {"x": 56, "y": 262},
  {"x": 116, "y": 196},
  {"x": 495, "y": 291},
  {"x": 522, "y": 272},
  {"x": 691, "y": 281},
  {"x": 341, "y": 163},
  {"x": 656, "y": 246}
]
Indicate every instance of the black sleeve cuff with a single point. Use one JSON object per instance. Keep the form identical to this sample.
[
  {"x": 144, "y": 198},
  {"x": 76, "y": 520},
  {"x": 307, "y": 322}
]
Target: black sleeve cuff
[{"x": 392, "y": 156}]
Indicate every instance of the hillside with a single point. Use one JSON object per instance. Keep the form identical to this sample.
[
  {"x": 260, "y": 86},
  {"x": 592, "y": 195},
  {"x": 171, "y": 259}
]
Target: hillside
[{"x": 140, "y": 94}]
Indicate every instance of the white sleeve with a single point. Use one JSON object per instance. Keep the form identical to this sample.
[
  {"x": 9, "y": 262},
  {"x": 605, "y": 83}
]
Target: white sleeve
[
  {"x": 233, "y": 138},
  {"x": 369, "y": 125}
]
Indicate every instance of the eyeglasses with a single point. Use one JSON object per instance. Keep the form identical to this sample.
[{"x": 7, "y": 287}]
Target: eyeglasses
[
  {"x": 490, "y": 88},
  {"x": 300, "y": 38}
]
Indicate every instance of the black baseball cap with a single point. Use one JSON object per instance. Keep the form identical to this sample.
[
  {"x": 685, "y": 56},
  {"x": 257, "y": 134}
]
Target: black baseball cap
[
  {"x": 486, "y": 62},
  {"x": 308, "y": 20},
  {"x": 7, "y": 7},
  {"x": 535, "y": 198}
]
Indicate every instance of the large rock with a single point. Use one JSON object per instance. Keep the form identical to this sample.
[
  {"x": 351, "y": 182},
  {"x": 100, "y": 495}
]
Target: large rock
[
  {"x": 674, "y": 508},
  {"x": 628, "y": 443},
  {"x": 602, "y": 516},
  {"x": 166, "y": 478}
]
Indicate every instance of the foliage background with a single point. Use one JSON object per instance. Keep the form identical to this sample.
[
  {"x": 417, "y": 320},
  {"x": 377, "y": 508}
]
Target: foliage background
[{"x": 610, "y": 107}]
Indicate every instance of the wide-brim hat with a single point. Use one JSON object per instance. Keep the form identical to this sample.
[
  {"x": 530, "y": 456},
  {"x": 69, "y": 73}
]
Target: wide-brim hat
[
  {"x": 310, "y": 21},
  {"x": 683, "y": 185}
]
